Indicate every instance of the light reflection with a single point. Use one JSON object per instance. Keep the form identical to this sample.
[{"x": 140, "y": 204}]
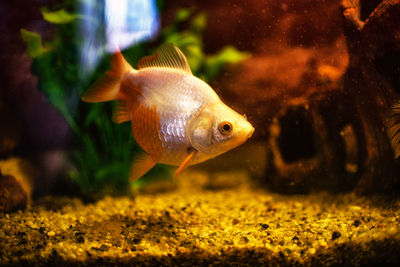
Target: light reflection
[
  {"x": 130, "y": 21},
  {"x": 114, "y": 24}
]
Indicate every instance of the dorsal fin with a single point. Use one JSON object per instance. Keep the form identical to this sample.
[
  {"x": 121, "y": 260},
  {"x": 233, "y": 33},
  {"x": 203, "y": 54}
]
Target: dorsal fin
[{"x": 167, "y": 56}]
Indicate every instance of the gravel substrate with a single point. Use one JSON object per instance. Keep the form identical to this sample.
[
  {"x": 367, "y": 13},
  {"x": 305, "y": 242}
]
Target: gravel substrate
[{"x": 192, "y": 224}]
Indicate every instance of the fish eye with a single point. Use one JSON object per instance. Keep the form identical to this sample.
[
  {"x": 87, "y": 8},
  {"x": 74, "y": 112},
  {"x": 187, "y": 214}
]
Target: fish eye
[{"x": 225, "y": 127}]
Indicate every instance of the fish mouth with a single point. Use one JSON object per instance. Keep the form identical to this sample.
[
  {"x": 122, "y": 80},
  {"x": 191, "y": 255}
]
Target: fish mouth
[
  {"x": 247, "y": 137},
  {"x": 250, "y": 133}
]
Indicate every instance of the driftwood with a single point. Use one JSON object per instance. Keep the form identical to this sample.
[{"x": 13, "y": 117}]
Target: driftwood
[{"x": 337, "y": 140}]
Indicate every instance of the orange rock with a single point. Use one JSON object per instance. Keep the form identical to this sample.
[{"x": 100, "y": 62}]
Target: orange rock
[{"x": 12, "y": 194}]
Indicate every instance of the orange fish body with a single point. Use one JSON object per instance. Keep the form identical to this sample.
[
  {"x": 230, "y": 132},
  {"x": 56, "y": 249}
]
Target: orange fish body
[{"x": 176, "y": 118}]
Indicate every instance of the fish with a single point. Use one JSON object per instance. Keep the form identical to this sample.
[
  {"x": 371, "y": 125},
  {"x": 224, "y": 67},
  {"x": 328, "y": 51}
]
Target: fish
[
  {"x": 393, "y": 129},
  {"x": 176, "y": 118}
]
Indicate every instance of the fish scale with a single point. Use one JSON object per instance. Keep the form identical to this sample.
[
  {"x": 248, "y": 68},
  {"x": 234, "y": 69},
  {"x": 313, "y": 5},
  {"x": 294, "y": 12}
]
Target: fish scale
[{"x": 173, "y": 136}]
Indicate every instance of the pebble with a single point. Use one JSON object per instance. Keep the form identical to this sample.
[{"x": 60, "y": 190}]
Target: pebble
[{"x": 51, "y": 233}]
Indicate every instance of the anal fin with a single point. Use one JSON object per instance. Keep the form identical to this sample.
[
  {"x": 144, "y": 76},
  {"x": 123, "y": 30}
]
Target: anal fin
[
  {"x": 184, "y": 164},
  {"x": 140, "y": 166}
]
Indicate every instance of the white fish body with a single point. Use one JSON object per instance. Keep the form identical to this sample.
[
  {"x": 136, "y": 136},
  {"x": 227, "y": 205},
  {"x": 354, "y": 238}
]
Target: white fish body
[{"x": 176, "y": 118}]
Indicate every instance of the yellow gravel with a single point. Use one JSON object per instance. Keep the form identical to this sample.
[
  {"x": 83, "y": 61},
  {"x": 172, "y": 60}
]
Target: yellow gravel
[{"x": 194, "y": 225}]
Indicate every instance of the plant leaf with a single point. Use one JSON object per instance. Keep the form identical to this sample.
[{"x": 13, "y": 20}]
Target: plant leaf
[
  {"x": 228, "y": 55},
  {"x": 60, "y": 16},
  {"x": 34, "y": 43},
  {"x": 199, "y": 22},
  {"x": 183, "y": 14}
]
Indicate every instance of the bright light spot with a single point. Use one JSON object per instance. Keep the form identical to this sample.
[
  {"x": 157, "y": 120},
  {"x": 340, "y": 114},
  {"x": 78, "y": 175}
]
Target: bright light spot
[
  {"x": 129, "y": 21},
  {"x": 114, "y": 24}
]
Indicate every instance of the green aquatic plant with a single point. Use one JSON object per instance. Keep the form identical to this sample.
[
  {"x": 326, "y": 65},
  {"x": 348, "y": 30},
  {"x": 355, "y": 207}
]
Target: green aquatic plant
[
  {"x": 101, "y": 151},
  {"x": 190, "y": 41}
]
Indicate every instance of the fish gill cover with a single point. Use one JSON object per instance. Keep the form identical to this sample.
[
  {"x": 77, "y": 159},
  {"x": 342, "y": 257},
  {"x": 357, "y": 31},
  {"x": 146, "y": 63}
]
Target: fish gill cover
[{"x": 101, "y": 151}]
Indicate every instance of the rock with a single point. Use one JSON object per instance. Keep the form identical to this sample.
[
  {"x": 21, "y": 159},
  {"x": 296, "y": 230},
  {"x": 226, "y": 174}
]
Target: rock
[
  {"x": 16, "y": 176},
  {"x": 322, "y": 104},
  {"x": 12, "y": 194}
]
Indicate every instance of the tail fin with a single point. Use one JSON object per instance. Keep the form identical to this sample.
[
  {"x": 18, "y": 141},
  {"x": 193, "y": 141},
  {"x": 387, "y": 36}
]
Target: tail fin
[
  {"x": 107, "y": 88},
  {"x": 394, "y": 130}
]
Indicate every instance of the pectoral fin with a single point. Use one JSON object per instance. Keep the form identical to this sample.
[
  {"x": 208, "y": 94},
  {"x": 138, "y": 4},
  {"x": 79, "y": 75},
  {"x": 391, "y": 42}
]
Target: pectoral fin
[
  {"x": 184, "y": 164},
  {"x": 120, "y": 113},
  {"x": 140, "y": 166}
]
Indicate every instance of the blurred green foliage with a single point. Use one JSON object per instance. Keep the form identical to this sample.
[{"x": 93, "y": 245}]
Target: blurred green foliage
[
  {"x": 33, "y": 41},
  {"x": 102, "y": 151},
  {"x": 60, "y": 16},
  {"x": 190, "y": 41}
]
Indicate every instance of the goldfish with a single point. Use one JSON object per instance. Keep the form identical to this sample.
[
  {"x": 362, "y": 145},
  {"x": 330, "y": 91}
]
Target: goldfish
[{"x": 176, "y": 118}]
